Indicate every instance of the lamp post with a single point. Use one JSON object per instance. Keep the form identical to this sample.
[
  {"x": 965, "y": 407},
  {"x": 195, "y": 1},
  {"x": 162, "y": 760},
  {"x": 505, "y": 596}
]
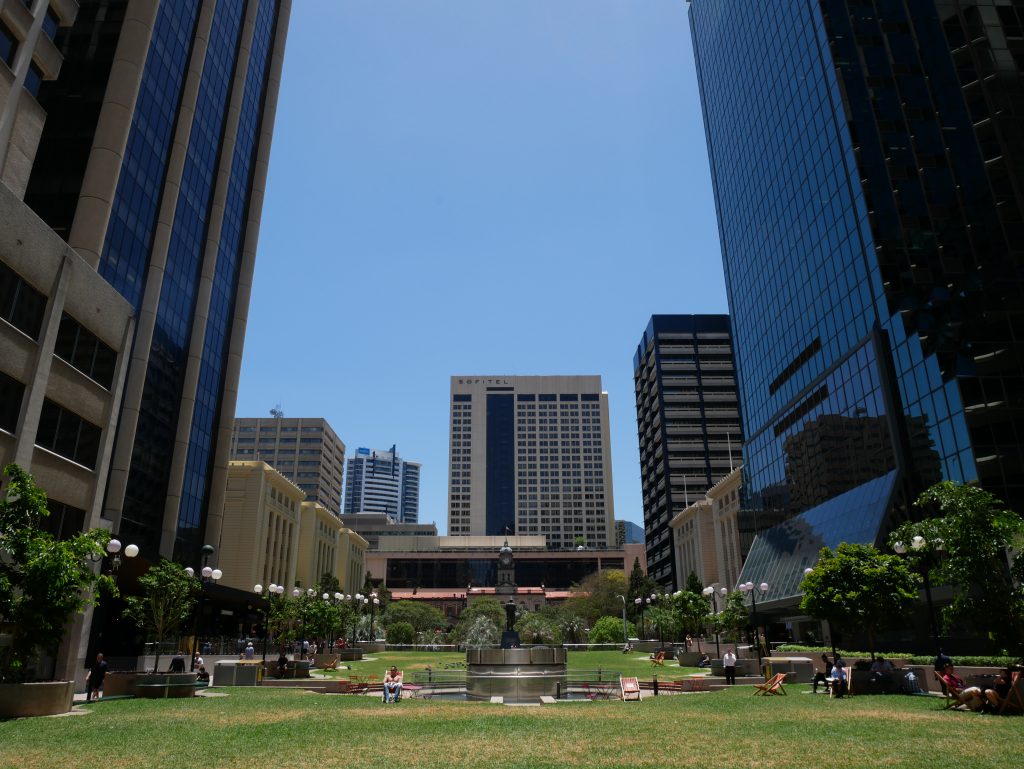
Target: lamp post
[
  {"x": 375, "y": 602},
  {"x": 113, "y": 552},
  {"x": 357, "y": 601},
  {"x": 273, "y": 590},
  {"x": 208, "y": 574},
  {"x": 926, "y": 548},
  {"x": 625, "y": 627},
  {"x": 640, "y": 607},
  {"x": 751, "y": 588},
  {"x": 713, "y": 595}
]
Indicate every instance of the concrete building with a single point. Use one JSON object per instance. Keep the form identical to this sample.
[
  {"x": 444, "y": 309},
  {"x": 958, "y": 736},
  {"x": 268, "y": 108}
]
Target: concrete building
[
  {"x": 305, "y": 450},
  {"x": 531, "y": 455},
  {"x": 688, "y": 423},
  {"x": 382, "y": 482},
  {"x": 144, "y": 155},
  {"x": 373, "y": 527},
  {"x": 706, "y": 537},
  {"x": 272, "y": 535}
]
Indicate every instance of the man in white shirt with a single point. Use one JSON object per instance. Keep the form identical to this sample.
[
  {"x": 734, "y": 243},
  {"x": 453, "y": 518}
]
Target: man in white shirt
[{"x": 729, "y": 661}]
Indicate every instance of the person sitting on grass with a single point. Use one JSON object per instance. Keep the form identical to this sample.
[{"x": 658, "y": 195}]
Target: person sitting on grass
[
  {"x": 392, "y": 685},
  {"x": 958, "y": 688},
  {"x": 1000, "y": 691}
]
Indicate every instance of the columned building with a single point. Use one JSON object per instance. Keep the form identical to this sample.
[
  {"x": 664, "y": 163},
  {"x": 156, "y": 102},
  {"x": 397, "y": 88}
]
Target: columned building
[
  {"x": 868, "y": 176},
  {"x": 688, "y": 424},
  {"x": 530, "y": 455},
  {"x": 307, "y": 451}
]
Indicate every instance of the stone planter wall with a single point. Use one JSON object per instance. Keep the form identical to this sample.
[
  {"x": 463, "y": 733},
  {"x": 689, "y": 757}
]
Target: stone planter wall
[
  {"x": 118, "y": 684},
  {"x": 36, "y": 699}
]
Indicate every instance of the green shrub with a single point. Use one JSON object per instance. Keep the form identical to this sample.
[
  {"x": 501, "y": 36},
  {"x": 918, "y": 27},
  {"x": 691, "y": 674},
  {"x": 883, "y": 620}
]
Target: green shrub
[
  {"x": 400, "y": 633},
  {"x": 607, "y": 630},
  {"x": 915, "y": 659}
]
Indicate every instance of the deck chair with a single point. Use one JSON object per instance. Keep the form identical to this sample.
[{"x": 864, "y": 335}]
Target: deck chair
[
  {"x": 949, "y": 699},
  {"x": 772, "y": 686},
  {"x": 630, "y": 689},
  {"x": 333, "y": 664},
  {"x": 658, "y": 659},
  {"x": 1013, "y": 700}
]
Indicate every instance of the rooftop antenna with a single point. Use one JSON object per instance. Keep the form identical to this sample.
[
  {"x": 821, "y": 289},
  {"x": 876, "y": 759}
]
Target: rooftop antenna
[{"x": 276, "y": 412}]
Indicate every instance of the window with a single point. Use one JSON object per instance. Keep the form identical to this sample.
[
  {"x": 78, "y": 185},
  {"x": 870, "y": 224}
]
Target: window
[
  {"x": 83, "y": 350},
  {"x": 64, "y": 521},
  {"x": 33, "y": 79},
  {"x": 20, "y": 304},
  {"x": 64, "y": 432},
  {"x": 8, "y": 44},
  {"x": 11, "y": 392},
  {"x": 50, "y": 24}
]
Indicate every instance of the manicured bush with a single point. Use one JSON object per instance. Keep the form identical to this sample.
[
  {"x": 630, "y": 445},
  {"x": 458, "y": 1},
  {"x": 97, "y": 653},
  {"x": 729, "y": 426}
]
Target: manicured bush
[
  {"x": 607, "y": 630},
  {"x": 400, "y": 633}
]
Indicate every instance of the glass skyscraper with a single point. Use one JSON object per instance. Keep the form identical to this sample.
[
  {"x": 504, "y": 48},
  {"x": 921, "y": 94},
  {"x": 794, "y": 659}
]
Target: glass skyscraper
[
  {"x": 152, "y": 166},
  {"x": 867, "y": 164},
  {"x": 382, "y": 482}
]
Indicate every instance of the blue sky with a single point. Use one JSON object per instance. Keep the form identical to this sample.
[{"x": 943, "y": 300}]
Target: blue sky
[{"x": 476, "y": 187}]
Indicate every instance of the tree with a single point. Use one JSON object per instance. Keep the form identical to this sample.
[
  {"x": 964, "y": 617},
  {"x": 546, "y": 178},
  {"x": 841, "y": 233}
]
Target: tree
[
  {"x": 973, "y": 536},
  {"x": 640, "y": 586},
  {"x": 328, "y": 584},
  {"x": 734, "y": 617},
  {"x": 664, "y": 619},
  {"x": 608, "y": 630},
  {"x": 693, "y": 584},
  {"x": 400, "y": 633},
  {"x": 534, "y": 628},
  {"x": 482, "y": 607},
  {"x": 43, "y": 580},
  {"x": 572, "y": 627},
  {"x": 597, "y": 595},
  {"x": 168, "y": 599},
  {"x": 857, "y": 587},
  {"x": 480, "y": 632},
  {"x": 692, "y": 610},
  {"x": 422, "y": 616}
]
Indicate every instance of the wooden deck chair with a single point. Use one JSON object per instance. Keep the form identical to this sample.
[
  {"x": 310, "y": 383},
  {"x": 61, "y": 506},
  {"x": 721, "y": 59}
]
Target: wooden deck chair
[
  {"x": 835, "y": 684},
  {"x": 630, "y": 689},
  {"x": 949, "y": 699},
  {"x": 658, "y": 659},
  {"x": 772, "y": 686},
  {"x": 1013, "y": 699},
  {"x": 333, "y": 664}
]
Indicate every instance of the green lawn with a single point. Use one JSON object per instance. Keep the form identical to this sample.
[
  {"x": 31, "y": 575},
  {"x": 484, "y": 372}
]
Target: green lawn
[
  {"x": 287, "y": 729},
  {"x": 633, "y": 664}
]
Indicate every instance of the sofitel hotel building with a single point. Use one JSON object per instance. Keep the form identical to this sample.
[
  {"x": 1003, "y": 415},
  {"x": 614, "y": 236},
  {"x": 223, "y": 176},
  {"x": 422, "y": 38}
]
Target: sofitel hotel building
[{"x": 530, "y": 455}]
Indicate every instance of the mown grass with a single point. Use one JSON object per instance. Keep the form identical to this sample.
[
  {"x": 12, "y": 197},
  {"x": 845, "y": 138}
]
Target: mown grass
[
  {"x": 632, "y": 664},
  {"x": 286, "y": 729}
]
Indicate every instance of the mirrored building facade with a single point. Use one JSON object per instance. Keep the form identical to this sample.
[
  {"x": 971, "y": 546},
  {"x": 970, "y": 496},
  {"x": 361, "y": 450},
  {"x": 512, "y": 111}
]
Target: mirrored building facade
[{"x": 867, "y": 164}]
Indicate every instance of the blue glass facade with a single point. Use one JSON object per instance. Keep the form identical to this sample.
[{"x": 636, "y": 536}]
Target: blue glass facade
[
  {"x": 140, "y": 186},
  {"x": 206, "y": 415},
  {"x": 849, "y": 193},
  {"x": 501, "y": 464}
]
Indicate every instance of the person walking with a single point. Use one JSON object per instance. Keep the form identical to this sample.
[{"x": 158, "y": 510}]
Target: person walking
[
  {"x": 729, "y": 662},
  {"x": 94, "y": 683}
]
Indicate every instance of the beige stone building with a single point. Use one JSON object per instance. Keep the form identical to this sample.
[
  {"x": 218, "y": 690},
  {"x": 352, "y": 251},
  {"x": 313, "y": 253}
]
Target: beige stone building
[
  {"x": 272, "y": 536},
  {"x": 705, "y": 535},
  {"x": 531, "y": 455}
]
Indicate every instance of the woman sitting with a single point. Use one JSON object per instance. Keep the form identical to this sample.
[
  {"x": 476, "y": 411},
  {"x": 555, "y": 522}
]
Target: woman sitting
[{"x": 958, "y": 688}]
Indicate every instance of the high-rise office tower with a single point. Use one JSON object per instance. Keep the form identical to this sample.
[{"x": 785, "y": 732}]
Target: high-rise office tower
[
  {"x": 151, "y": 165},
  {"x": 305, "y": 451},
  {"x": 530, "y": 455},
  {"x": 867, "y": 161},
  {"x": 688, "y": 422},
  {"x": 382, "y": 482}
]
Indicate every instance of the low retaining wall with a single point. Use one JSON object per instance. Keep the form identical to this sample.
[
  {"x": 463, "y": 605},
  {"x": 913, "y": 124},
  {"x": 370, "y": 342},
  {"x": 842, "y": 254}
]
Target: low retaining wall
[
  {"x": 47, "y": 698},
  {"x": 165, "y": 685}
]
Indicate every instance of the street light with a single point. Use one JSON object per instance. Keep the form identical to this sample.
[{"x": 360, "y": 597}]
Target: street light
[
  {"x": 625, "y": 630},
  {"x": 373, "y": 606},
  {"x": 927, "y": 549},
  {"x": 709, "y": 592},
  {"x": 209, "y": 574},
  {"x": 272, "y": 590},
  {"x": 748, "y": 587}
]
